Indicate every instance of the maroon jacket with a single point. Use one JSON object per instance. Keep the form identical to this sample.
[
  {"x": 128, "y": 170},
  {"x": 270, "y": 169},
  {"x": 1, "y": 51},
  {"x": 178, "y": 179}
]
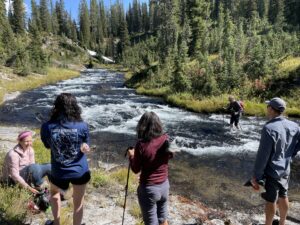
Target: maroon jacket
[{"x": 151, "y": 158}]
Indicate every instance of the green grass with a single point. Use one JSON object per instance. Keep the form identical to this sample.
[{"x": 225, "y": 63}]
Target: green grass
[
  {"x": 120, "y": 176},
  {"x": 289, "y": 65},
  {"x": 135, "y": 211},
  {"x": 42, "y": 154},
  {"x": 160, "y": 92},
  {"x": 17, "y": 83},
  {"x": 100, "y": 178},
  {"x": 13, "y": 203}
]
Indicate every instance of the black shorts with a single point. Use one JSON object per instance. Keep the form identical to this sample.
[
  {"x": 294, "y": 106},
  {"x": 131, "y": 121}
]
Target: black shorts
[
  {"x": 275, "y": 188},
  {"x": 64, "y": 183}
]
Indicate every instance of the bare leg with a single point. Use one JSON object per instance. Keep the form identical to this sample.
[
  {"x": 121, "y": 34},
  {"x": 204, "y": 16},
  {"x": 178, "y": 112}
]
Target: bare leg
[
  {"x": 78, "y": 198},
  {"x": 270, "y": 210},
  {"x": 164, "y": 223},
  {"x": 55, "y": 203},
  {"x": 283, "y": 205}
]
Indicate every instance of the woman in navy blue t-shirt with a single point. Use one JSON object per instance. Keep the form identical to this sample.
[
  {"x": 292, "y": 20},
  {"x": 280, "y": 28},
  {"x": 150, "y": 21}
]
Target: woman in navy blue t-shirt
[{"x": 68, "y": 138}]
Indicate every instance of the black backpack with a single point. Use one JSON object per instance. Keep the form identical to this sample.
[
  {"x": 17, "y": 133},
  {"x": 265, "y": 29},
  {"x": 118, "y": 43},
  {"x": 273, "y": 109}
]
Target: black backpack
[{"x": 42, "y": 200}]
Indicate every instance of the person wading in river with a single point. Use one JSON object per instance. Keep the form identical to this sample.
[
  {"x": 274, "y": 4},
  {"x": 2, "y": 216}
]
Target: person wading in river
[
  {"x": 150, "y": 157},
  {"x": 235, "y": 110},
  {"x": 278, "y": 144}
]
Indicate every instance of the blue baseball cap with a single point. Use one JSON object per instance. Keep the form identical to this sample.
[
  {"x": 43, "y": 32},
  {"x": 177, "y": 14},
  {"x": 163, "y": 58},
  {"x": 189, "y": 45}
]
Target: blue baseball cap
[{"x": 277, "y": 104}]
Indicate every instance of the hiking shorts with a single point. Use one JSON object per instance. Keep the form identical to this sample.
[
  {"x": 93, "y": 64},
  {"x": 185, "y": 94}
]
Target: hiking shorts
[
  {"x": 234, "y": 119},
  {"x": 153, "y": 200},
  {"x": 275, "y": 188},
  {"x": 64, "y": 183}
]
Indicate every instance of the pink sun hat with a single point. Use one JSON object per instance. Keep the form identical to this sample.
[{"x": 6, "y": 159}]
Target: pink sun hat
[{"x": 24, "y": 134}]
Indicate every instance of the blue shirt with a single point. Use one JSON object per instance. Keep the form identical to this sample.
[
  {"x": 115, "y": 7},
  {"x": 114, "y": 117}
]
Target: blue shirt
[
  {"x": 278, "y": 144},
  {"x": 64, "y": 138}
]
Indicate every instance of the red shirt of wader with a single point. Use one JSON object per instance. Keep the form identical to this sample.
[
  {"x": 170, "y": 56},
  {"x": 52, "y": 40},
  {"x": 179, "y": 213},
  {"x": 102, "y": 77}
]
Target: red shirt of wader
[{"x": 151, "y": 158}]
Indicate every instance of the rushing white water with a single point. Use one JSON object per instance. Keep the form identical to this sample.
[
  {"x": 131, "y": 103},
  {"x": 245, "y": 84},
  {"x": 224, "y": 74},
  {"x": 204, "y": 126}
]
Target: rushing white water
[{"x": 109, "y": 106}]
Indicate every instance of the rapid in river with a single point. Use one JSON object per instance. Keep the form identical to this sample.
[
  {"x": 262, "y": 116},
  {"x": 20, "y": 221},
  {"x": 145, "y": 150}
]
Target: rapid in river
[{"x": 211, "y": 163}]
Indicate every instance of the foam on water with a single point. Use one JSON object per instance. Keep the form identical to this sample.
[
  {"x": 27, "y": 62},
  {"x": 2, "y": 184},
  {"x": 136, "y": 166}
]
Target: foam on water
[{"x": 109, "y": 106}]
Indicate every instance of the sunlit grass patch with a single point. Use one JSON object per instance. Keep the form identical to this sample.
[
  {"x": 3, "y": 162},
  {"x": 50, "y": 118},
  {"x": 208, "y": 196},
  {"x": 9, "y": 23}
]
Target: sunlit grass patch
[
  {"x": 121, "y": 177},
  {"x": 100, "y": 178},
  {"x": 289, "y": 65},
  {"x": 17, "y": 83},
  {"x": 42, "y": 154},
  {"x": 153, "y": 92},
  {"x": 206, "y": 105}
]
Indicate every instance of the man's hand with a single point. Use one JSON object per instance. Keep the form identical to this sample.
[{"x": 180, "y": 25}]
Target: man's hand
[
  {"x": 85, "y": 148},
  {"x": 254, "y": 183}
]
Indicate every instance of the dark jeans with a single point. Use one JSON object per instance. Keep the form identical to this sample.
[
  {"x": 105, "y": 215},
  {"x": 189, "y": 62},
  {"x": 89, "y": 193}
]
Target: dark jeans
[{"x": 34, "y": 173}]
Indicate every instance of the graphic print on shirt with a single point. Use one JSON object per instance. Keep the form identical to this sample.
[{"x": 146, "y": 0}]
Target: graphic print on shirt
[{"x": 65, "y": 143}]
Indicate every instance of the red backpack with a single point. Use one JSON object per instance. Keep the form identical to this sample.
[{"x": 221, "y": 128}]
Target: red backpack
[{"x": 241, "y": 103}]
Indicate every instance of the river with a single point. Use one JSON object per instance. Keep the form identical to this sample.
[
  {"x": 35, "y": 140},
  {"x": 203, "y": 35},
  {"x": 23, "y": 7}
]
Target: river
[{"x": 211, "y": 164}]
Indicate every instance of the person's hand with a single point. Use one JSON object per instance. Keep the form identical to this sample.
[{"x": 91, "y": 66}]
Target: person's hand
[
  {"x": 130, "y": 152},
  {"x": 254, "y": 183},
  {"x": 34, "y": 191},
  {"x": 85, "y": 148}
]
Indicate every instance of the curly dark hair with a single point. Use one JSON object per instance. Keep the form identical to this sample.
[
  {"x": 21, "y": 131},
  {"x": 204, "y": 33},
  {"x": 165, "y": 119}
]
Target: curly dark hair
[
  {"x": 149, "y": 126},
  {"x": 66, "y": 105}
]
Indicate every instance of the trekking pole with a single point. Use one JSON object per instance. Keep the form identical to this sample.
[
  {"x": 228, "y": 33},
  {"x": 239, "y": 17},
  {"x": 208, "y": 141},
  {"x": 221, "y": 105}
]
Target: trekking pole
[{"x": 126, "y": 187}]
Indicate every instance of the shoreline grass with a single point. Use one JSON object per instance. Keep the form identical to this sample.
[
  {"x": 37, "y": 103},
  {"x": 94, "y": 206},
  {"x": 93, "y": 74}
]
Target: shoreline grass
[
  {"x": 213, "y": 104},
  {"x": 17, "y": 83}
]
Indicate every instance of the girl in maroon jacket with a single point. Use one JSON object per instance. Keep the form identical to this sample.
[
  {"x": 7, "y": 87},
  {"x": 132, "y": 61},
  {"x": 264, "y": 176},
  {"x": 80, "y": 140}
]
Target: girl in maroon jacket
[{"x": 150, "y": 157}]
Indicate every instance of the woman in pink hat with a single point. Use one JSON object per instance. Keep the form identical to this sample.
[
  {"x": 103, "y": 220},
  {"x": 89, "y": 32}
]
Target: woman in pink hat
[{"x": 20, "y": 167}]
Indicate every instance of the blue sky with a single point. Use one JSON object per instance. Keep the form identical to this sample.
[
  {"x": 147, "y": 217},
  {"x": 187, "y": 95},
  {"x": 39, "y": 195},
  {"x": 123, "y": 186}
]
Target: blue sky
[{"x": 72, "y": 5}]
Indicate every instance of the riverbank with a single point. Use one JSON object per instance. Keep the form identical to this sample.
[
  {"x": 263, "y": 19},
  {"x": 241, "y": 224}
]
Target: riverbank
[
  {"x": 105, "y": 194},
  {"x": 10, "y": 83},
  {"x": 213, "y": 104}
]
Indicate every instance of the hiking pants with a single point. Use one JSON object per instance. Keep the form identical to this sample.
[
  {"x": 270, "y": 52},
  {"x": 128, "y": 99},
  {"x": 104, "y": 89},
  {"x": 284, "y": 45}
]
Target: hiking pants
[{"x": 153, "y": 200}]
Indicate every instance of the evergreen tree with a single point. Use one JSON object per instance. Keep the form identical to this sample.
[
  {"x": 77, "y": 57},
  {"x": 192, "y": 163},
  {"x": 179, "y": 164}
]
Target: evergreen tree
[
  {"x": 54, "y": 20},
  {"x": 292, "y": 9},
  {"x": 61, "y": 17},
  {"x": 84, "y": 24},
  {"x": 18, "y": 17},
  {"x": 276, "y": 12},
  {"x": 35, "y": 22},
  {"x": 197, "y": 11},
  {"x": 100, "y": 33},
  {"x": 45, "y": 16},
  {"x": 37, "y": 57},
  {"x": 168, "y": 31},
  {"x": 103, "y": 18},
  {"x": 124, "y": 37},
  {"x": 129, "y": 19},
  {"x": 6, "y": 35},
  {"x": 145, "y": 18},
  {"x": 137, "y": 19},
  {"x": 93, "y": 21}
]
